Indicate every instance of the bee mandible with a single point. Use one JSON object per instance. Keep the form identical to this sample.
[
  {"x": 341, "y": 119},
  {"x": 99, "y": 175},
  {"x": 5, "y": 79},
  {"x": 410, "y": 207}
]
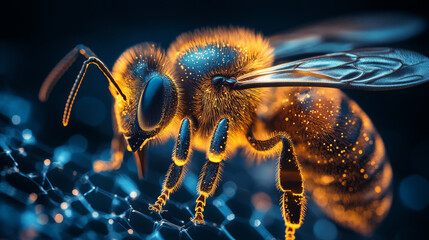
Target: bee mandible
[{"x": 220, "y": 89}]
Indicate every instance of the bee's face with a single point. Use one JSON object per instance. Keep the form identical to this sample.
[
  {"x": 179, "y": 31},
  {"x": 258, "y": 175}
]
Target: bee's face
[{"x": 152, "y": 94}]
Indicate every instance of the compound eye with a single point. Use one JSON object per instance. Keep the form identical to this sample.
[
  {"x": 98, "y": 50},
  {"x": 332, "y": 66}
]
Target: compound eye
[{"x": 154, "y": 101}]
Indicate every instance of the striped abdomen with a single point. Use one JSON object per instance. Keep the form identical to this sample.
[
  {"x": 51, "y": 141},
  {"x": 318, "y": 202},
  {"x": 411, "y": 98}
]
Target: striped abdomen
[{"x": 341, "y": 154}]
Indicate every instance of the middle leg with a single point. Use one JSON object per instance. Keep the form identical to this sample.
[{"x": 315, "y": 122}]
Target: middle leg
[
  {"x": 210, "y": 174},
  {"x": 177, "y": 168}
]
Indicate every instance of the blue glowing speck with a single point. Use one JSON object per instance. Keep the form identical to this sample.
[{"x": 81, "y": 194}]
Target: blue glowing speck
[
  {"x": 325, "y": 230},
  {"x": 155, "y": 235},
  {"x": 16, "y": 119},
  {"x": 127, "y": 185},
  {"x": 29, "y": 219},
  {"x": 11, "y": 105},
  {"x": 229, "y": 189},
  {"x": 231, "y": 217},
  {"x": 28, "y": 137},
  {"x": 68, "y": 213},
  {"x": 62, "y": 155},
  {"x": 78, "y": 143},
  {"x": 27, "y": 134},
  {"x": 414, "y": 192}
]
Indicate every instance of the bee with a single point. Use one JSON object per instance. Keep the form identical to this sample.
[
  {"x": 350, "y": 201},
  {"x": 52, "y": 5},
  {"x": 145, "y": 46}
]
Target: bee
[{"x": 221, "y": 89}]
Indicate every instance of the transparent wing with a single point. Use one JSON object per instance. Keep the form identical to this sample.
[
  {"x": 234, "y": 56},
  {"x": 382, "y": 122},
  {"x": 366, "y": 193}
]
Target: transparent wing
[
  {"x": 366, "y": 69},
  {"x": 347, "y": 33}
]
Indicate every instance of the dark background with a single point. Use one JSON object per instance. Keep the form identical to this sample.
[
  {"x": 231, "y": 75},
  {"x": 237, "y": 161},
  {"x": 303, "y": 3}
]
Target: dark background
[{"x": 35, "y": 35}]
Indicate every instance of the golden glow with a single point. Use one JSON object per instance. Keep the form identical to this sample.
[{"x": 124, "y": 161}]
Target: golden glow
[
  {"x": 209, "y": 104},
  {"x": 215, "y": 157},
  {"x": 114, "y": 164},
  {"x": 179, "y": 162},
  {"x": 340, "y": 153},
  {"x": 320, "y": 131}
]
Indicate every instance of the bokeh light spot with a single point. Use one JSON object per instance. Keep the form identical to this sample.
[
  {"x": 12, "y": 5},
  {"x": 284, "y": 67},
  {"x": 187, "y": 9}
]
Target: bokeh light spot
[
  {"x": 261, "y": 201},
  {"x": 62, "y": 155},
  {"x": 27, "y": 134},
  {"x": 47, "y": 162},
  {"x": 230, "y": 217},
  {"x": 58, "y": 218},
  {"x": 16, "y": 119},
  {"x": 78, "y": 143},
  {"x": 229, "y": 188},
  {"x": 75, "y": 192},
  {"x": 325, "y": 230},
  {"x": 414, "y": 192}
]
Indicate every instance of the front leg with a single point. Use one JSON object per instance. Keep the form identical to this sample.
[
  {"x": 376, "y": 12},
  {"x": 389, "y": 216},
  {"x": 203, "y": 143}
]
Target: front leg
[
  {"x": 177, "y": 168},
  {"x": 210, "y": 173},
  {"x": 117, "y": 152},
  {"x": 117, "y": 148},
  {"x": 289, "y": 181}
]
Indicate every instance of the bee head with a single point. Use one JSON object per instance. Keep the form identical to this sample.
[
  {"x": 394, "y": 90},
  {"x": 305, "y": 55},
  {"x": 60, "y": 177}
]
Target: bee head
[{"x": 147, "y": 79}]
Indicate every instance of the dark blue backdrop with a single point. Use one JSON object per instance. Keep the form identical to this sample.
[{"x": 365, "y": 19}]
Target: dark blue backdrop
[{"x": 35, "y": 35}]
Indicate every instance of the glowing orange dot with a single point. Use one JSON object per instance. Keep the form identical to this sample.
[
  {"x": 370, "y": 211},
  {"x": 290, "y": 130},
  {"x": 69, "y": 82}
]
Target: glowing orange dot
[
  {"x": 58, "y": 218},
  {"x": 64, "y": 205},
  {"x": 377, "y": 189},
  {"x": 47, "y": 162},
  {"x": 261, "y": 201},
  {"x": 75, "y": 192},
  {"x": 33, "y": 197},
  {"x": 130, "y": 231}
]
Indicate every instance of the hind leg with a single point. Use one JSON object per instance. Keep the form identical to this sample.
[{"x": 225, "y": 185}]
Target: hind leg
[{"x": 289, "y": 181}]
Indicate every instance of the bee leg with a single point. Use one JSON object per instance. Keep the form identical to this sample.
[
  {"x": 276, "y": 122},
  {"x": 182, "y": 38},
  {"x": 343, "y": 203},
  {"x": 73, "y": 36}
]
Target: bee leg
[
  {"x": 289, "y": 181},
  {"x": 177, "y": 169},
  {"x": 210, "y": 174},
  {"x": 117, "y": 150}
]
